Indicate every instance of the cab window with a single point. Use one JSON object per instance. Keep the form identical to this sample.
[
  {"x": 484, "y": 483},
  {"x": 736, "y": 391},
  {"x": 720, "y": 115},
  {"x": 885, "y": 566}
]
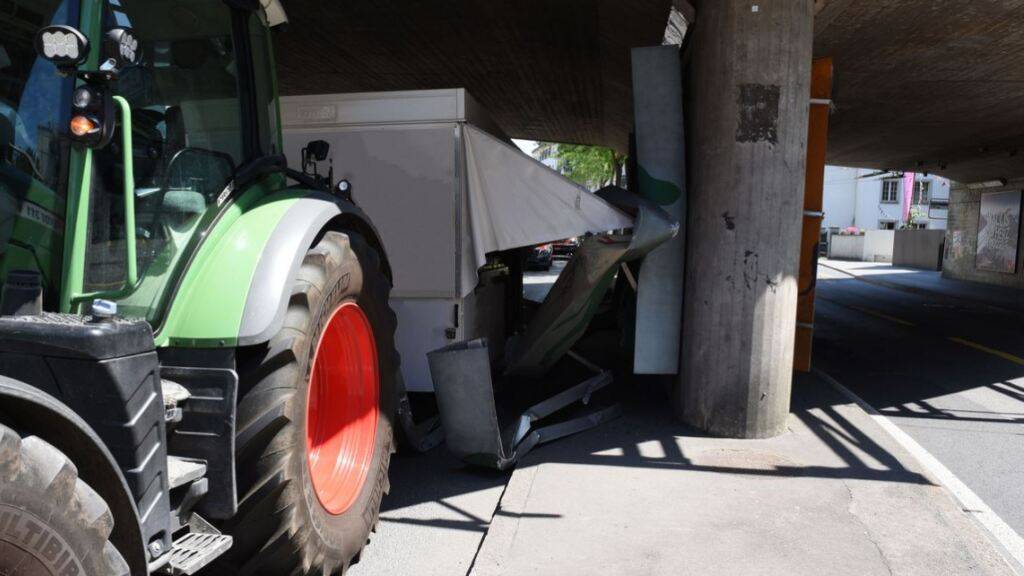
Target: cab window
[{"x": 187, "y": 131}]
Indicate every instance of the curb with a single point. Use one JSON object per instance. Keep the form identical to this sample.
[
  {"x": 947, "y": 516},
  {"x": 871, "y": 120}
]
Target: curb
[
  {"x": 1009, "y": 544},
  {"x": 497, "y": 542}
]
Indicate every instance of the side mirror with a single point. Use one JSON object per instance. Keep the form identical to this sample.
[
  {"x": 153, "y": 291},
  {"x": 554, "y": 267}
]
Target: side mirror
[
  {"x": 66, "y": 47},
  {"x": 316, "y": 151}
]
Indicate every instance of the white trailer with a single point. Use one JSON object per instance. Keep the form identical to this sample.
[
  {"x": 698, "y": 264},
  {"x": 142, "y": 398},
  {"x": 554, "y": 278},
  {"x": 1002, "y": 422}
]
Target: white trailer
[{"x": 445, "y": 188}]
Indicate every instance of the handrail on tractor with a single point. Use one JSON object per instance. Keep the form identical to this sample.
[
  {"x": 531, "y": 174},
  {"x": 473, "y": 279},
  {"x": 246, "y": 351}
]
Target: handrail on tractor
[{"x": 132, "y": 272}]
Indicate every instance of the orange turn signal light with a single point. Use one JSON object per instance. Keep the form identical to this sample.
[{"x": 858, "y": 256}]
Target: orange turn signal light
[{"x": 82, "y": 126}]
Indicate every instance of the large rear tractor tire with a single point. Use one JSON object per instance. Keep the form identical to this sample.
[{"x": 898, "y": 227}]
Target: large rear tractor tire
[
  {"x": 315, "y": 413},
  {"x": 51, "y": 522}
]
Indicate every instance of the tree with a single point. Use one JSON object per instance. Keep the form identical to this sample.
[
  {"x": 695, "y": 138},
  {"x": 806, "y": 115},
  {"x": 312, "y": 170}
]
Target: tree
[
  {"x": 917, "y": 216},
  {"x": 590, "y": 166}
]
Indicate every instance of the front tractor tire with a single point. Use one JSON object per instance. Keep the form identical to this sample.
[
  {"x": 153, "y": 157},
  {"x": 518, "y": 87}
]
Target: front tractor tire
[
  {"x": 51, "y": 522},
  {"x": 315, "y": 437}
]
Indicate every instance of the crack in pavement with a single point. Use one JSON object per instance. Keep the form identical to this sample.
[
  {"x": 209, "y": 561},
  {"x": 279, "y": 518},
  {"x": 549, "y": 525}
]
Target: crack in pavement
[{"x": 867, "y": 530}]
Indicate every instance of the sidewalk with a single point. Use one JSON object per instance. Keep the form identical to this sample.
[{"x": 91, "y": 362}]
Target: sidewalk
[
  {"x": 930, "y": 283},
  {"x": 641, "y": 495}
]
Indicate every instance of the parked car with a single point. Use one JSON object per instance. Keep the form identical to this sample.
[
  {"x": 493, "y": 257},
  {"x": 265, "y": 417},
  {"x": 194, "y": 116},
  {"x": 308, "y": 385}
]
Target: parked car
[
  {"x": 540, "y": 258},
  {"x": 565, "y": 248}
]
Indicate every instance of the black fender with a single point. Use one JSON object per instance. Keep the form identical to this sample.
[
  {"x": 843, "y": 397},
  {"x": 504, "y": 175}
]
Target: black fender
[
  {"x": 32, "y": 411},
  {"x": 305, "y": 222}
]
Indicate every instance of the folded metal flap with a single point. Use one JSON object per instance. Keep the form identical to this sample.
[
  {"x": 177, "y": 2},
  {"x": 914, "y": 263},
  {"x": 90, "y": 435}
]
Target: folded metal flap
[{"x": 465, "y": 399}]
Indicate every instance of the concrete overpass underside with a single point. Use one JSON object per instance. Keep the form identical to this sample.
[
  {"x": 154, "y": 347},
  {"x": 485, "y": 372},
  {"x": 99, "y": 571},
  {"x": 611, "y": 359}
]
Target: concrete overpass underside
[
  {"x": 546, "y": 70},
  {"x": 927, "y": 85},
  {"x": 924, "y": 85}
]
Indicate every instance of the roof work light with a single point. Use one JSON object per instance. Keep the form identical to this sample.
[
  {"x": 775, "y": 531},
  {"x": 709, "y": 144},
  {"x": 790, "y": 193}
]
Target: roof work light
[
  {"x": 64, "y": 46},
  {"x": 92, "y": 105}
]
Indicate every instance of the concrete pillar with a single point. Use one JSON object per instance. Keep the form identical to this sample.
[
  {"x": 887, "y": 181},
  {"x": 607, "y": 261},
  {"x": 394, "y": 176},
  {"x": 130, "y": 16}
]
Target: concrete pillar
[{"x": 749, "y": 82}]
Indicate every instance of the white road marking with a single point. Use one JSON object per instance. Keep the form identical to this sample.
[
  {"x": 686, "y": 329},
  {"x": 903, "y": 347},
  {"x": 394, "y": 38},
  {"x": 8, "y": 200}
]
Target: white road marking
[{"x": 1011, "y": 542}]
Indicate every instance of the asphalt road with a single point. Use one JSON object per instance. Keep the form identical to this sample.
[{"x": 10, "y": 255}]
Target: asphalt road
[
  {"x": 537, "y": 283},
  {"x": 949, "y": 373}
]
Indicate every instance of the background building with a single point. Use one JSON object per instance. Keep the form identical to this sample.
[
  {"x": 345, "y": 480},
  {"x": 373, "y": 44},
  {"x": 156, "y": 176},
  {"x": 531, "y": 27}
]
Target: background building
[{"x": 872, "y": 200}]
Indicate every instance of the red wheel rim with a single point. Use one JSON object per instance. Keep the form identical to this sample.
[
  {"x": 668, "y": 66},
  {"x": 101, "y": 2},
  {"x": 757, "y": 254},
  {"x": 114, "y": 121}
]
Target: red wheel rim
[{"x": 342, "y": 409}]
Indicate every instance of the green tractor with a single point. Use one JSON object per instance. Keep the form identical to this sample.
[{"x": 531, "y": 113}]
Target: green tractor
[{"x": 197, "y": 362}]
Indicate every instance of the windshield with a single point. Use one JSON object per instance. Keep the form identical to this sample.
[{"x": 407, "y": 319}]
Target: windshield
[
  {"x": 187, "y": 141},
  {"x": 34, "y": 101}
]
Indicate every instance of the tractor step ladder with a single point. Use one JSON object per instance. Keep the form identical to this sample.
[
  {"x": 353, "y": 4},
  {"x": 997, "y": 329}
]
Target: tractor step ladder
[
  {"x": 181, "y": 471},
  {"x": 194, "y": 551}
]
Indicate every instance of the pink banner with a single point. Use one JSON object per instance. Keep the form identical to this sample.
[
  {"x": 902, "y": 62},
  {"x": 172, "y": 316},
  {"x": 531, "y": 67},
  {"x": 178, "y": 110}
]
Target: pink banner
[{"x": 908, "y": 195}]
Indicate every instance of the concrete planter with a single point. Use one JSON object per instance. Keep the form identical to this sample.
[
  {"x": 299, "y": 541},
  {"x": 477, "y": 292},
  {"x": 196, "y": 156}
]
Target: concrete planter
[{"x": 846, "y": 247}]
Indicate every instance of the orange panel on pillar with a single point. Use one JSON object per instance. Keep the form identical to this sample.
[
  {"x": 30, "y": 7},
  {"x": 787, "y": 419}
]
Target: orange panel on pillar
[{"x": 817, "y": 139}]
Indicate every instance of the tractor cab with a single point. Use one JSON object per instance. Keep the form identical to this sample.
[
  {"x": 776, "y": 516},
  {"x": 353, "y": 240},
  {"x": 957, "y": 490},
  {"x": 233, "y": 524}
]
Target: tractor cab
[
  {"x": 142, "y": 186},
  {"x": 124, "y": 126}
]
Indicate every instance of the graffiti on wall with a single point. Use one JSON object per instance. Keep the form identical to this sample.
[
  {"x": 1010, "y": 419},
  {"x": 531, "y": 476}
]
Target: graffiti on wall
[
  {"x": 999, "y": 232},
  {"x": 955, "y": 248}
]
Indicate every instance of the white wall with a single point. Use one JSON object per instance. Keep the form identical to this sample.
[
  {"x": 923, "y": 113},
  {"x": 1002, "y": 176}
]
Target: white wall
[
  {"x": 878, "y": 245},
  {"x": 840, "y": 196}
]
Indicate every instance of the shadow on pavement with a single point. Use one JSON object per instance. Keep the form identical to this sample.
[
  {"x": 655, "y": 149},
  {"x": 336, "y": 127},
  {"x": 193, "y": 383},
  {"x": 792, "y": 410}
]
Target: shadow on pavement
[
  {"x": 647, "y": 436},
  {"x": 647, "y": 423},
  {"x": 902, "y": 368}
]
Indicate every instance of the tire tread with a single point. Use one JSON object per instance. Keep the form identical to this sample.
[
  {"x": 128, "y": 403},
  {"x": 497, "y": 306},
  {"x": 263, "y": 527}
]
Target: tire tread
[
  {"x": 35, "y": 466},
  {"x": 269, "y": 538}
]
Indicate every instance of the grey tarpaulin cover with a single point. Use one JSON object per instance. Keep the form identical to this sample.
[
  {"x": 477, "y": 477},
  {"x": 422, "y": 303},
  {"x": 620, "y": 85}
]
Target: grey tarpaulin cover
[
  {"x": 515, "y": 201},
  {"x": 568, "y": 308}
]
